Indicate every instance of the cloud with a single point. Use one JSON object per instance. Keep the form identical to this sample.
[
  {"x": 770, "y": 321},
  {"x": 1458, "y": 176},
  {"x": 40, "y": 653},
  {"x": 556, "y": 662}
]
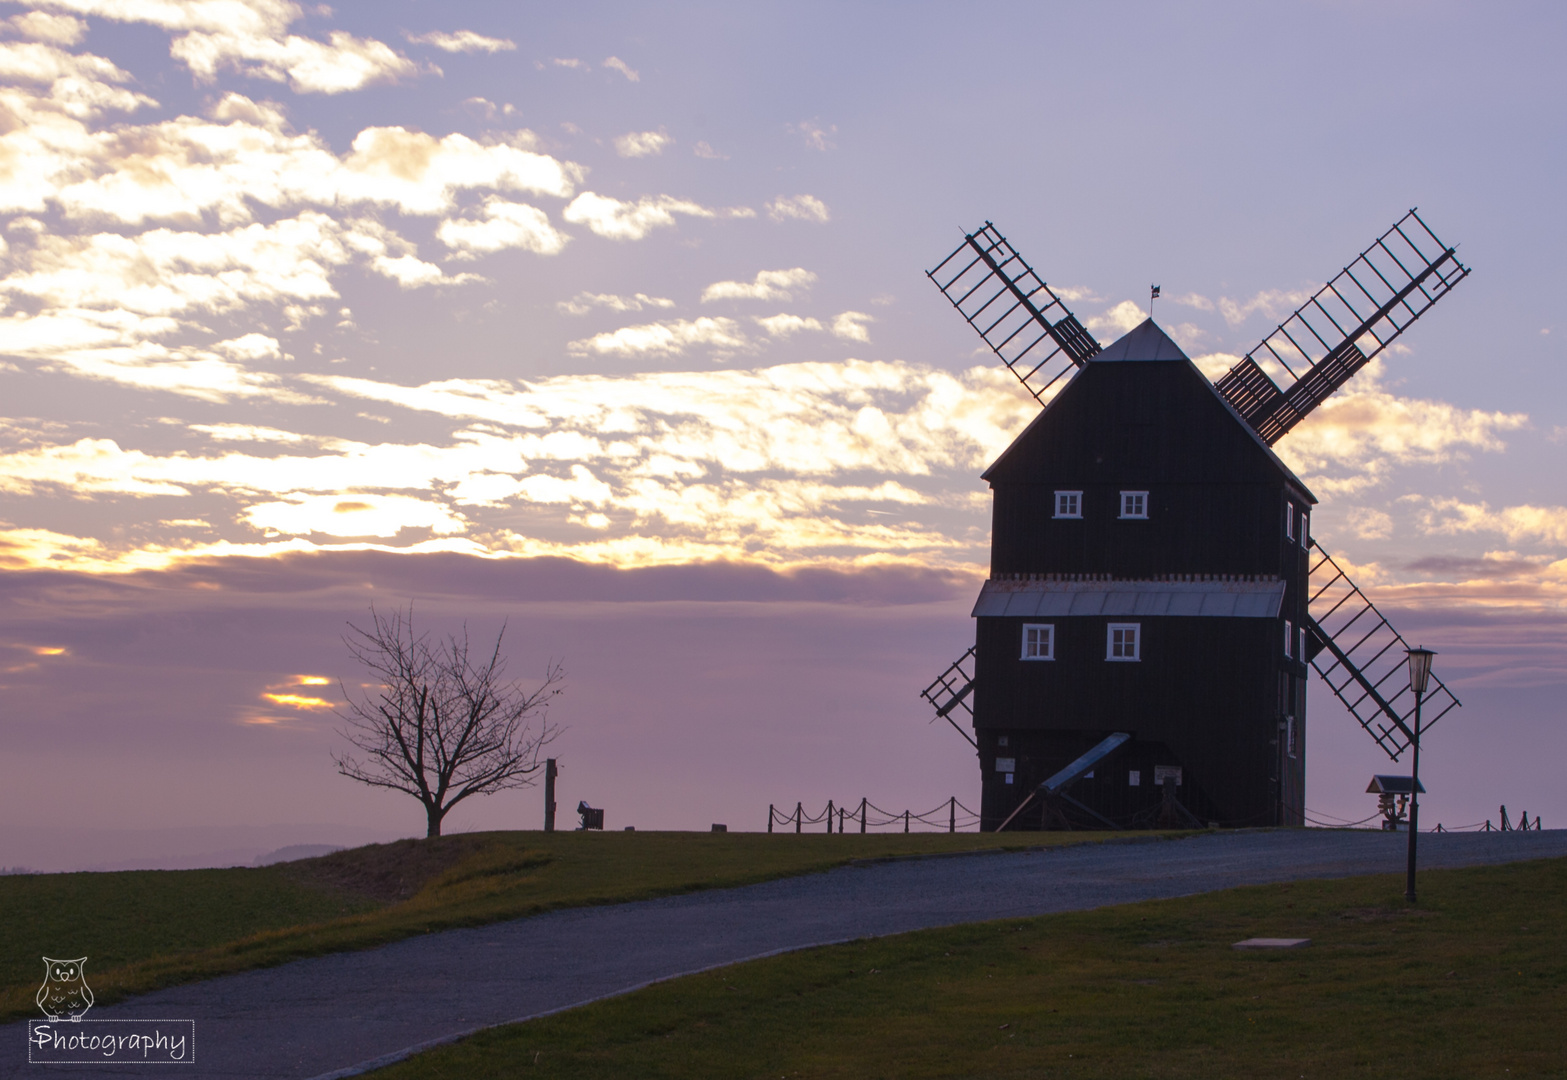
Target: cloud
[
  {"x": 41, "y": 26},
  {"x": 813, "y": 134},
  {"x": 784, "y": 325},
  {"x": 352, "y": 515},
  {"x": 1274, "y": 303},
  {"x": 797, "y": 208},
  {"x": 616, "y": 220},
  {"x": 615, "y": 63},
  {"x": 462, "y": 41},
  {"x": 1109, "y": 325},
  {"x": 767, "y": 285},
  {"x": 505, "y": 225},
  {"x": 1526, "y": 523},
  {"x": 1352, "y": 440},
  {"x": 850, "y": 325},
  {"x": 251, "y": 38},
  {"x": 643, "y": 143},
  {"x": 669, "y": 338},
  {"x": 585, "y": 302},
  {"x": 704, "y": 149}
]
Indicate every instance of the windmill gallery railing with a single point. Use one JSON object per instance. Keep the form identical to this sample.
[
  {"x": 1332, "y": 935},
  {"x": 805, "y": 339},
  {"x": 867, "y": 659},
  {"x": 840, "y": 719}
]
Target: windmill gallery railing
[{"x": 950, "y": 815}]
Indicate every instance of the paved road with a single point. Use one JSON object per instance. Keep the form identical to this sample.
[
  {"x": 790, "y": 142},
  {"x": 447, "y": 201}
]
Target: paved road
[{"x": 332, "y": 1015}]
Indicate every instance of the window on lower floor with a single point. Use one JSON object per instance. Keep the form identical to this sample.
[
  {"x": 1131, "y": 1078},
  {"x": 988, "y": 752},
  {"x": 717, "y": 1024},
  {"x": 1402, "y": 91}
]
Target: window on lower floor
[
  {"x": 1134, "y": 504},
  {"x": 1069, "y": 504},
  {"x": 1039, "y": 641},
  {"x": 1124, "y": 642}
]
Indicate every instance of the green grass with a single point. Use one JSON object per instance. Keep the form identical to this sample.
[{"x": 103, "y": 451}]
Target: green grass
[
  {"x": 1472, "y": 983},
  {"x": 142, "y": 930}
]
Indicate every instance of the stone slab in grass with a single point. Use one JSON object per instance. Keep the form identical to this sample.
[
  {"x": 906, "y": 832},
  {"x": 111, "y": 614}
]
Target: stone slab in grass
[{"x": 1272, "y": 943}]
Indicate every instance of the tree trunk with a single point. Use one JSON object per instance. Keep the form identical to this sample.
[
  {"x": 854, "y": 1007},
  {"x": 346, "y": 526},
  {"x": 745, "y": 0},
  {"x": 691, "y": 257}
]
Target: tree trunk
[{"x": 433, "y": 815}]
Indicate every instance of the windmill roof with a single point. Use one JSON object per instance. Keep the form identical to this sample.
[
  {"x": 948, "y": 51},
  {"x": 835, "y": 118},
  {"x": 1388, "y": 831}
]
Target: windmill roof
[{"x": 1145, "y": 342}]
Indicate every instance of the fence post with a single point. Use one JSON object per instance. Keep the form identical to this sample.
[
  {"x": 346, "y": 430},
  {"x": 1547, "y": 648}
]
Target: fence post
[
  {"x": 905, "y": 821},
  {"x": 1505, "y": 826},
  {"x": 829, "y": 817},
  {"x": 769, "y": 817},
  {"x": 862, "y": 814},
  {"x": 952, "y": 815},
  {"x": 798, "y": 813}
]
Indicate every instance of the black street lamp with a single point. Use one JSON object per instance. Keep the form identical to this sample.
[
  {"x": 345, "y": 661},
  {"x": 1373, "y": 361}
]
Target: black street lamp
[{"x": 1419, "y": 678}]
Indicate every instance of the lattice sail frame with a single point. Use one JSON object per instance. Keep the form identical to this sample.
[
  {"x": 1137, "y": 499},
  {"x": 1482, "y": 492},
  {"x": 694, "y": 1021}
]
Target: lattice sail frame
[
  {"x": 951, "y": 690},
  {"x": 1364, "y": 660},
  {"x": 1343, "y": 326},
  {"x": 1012, "y": 309}
]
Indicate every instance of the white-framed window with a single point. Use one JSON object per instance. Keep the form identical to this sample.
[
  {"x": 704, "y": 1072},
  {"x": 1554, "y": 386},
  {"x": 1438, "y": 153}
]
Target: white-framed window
[
  {"x": 1039, "y": 641},
  {"x": 1134, "y": 778},
  {"x": 1289, "y": 521},
  {"x": 1134, "y": 504},
  {"x": 1301, "y": 640},
  {"x": 1305, "y": 529},
  {"x": 1289, "y": 638},
  {"x": 1069, "y": 504},
  {"x": 1006, "y": 764},
  {"x": 1123, "y": 641}
]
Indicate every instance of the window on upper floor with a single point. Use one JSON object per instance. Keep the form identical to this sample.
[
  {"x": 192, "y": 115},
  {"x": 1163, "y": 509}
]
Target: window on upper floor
[
  {"x": 1301, "y": 642},
  {"x": 1039, "y": 641},
  {"x": 1289, "y": 521},
  {"x": 1305, "y": 529},
  {"x": 1069, "y": 504},
  {"x": 1289, "y": 638},
  {"x": 1134, "y": 504},
  {"x": 1123, "y": 641}
]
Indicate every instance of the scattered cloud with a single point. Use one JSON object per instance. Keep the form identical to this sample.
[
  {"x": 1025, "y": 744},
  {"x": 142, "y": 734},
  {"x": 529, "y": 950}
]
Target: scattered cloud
[
  {"x": 798, "y": 208},
  {"x": 41, "y": 26},
  {"x": 850, "y": 325},
  {"x": 573, "y": 63},
  {"x": 1274, "y": 303},
  {"x": 643, "y": 143},
  {"x": 1109, "y": 325},
  {"x": 670, "y": 338},
  {"x": 1369, "y": 524},
  {"x": 585, "y": 302},
  {"x": 352, "y": 515},
  {"x": 504, "y": 225},
  {"x": 767, "y": 285},
  {"x": 617, "y": 220},
  {"x": 1351, "y": 442},
  {"x": 782, "y": 325},
  {"x": 615, "y": 63},
  {"x": 813, "y": 134},
  {"x": 705, "y": 149},
  {"x": 1535, "y": 524},
  {"x": 462, "y": 41}
]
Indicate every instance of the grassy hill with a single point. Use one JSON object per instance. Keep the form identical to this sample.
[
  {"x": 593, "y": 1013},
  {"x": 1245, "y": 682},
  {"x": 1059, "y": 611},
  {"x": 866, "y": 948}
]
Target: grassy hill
[{"x": 145, "y": 929}]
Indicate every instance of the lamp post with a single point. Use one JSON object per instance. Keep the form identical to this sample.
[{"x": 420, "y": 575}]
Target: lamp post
[{"x": 1419, "y": 678}]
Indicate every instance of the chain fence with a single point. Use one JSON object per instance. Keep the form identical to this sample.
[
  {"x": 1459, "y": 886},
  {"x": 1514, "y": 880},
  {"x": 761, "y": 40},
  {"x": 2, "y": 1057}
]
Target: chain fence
[{"x": 950, "y": 816}]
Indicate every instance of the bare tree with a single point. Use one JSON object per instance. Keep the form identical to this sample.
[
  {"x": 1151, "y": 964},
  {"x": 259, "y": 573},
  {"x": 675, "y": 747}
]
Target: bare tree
[{"x": 440, "y": 726}]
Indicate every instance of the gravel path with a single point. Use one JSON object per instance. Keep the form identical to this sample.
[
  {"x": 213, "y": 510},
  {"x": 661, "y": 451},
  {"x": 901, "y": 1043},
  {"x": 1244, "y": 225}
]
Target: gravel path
[{"x": 333, "y": 1015}]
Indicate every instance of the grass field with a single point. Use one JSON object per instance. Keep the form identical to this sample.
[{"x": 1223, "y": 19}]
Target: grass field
[
  {"x": 1472, "y": 983},
  {"x": 145, "y": 929}
]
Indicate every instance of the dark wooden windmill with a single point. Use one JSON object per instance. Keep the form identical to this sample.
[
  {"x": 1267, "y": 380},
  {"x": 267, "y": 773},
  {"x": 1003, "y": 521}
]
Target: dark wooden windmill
[{"x": 1155, "y": 595}]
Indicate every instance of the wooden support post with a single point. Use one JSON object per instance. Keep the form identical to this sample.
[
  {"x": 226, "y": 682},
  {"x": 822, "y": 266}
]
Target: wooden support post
[
  {"x": 549, "y": 794},
  {"x": 769, "y": 817},
  {"x": 829, "y": 817},
  {"x": 862, "y": 814},
  {"x": 952, "y": 814},
  {"x": 840, "y": 821},
  {"x": 905, "y": 821},
  {"x": 1506, "y": 825},
  {"x": 798, "y": 813}
]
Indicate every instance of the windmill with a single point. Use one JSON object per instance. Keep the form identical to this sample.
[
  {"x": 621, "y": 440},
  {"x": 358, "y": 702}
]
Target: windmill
[{"x": 1156, "y": 596}]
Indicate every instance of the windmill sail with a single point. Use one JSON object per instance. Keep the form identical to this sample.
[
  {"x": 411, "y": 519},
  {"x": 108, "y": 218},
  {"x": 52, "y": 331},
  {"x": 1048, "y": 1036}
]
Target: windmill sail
[
  {"x": 951, "y": 691},
  {"x": 1337, "y": 332},
  {"x": 1017, "y": 314},
  {"x": 1364, "y": 660}
]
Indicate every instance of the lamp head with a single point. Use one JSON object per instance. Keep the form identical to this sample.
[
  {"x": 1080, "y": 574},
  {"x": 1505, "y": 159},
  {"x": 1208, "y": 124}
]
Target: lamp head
[{"x": 1419, "y": 668}]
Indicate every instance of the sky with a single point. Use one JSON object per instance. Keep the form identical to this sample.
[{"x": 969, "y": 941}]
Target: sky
[{"x": 608, "y": 325}]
